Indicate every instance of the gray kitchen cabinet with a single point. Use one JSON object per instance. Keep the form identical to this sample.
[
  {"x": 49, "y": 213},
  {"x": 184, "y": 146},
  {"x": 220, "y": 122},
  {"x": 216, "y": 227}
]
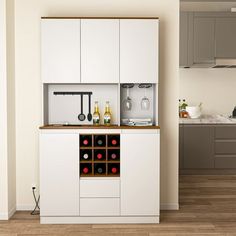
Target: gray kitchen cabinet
[
  {"x": 205, "y": 148},
  {"x": 183, "y": 42},
  {"x": 204, "y": 40},
  {"x": 198, "y": 147},
  {"x": 181, "y": 146},
  {"x": 225, "y": 33}
]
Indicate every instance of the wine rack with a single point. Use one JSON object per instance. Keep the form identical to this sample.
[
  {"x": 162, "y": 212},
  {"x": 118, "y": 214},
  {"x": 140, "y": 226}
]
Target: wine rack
[{"x": 99, "y": 155}]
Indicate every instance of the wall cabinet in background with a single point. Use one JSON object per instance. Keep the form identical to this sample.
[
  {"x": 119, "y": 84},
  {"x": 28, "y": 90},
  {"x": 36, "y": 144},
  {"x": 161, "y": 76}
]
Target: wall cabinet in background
[
  {"x": 205, "y": 36},
  {"x": 225, "y": 33}
]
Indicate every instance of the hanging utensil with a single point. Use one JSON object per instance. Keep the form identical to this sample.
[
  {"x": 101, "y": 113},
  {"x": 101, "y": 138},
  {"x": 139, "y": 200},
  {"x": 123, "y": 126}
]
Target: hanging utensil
[
  {"x": 89, "y": 116},
  {"x": 81, "y": 116}
]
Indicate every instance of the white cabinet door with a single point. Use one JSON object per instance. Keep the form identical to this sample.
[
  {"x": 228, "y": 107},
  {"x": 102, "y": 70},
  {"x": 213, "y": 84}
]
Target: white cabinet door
[
  {"x": 60, "y": 51},
  {"x": 99, "y": 51},
  {"x": 59, "y": 174},
  {"x": 138, "y": 51},
  {"x": 140, "y": 174}
]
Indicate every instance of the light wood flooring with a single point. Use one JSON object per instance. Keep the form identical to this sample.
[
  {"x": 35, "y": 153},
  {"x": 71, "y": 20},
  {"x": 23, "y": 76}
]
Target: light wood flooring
[{"x": 207, "y": 207}]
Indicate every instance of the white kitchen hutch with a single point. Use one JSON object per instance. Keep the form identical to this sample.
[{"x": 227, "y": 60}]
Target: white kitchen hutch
[{"x": 98, "y": 56}]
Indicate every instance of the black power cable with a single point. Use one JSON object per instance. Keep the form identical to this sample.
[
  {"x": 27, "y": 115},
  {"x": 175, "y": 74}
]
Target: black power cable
[{"x": 35, "y": 211}]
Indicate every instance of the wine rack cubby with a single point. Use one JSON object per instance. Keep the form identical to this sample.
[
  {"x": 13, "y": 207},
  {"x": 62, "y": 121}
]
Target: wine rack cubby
[{"x": 99, "y": 155}]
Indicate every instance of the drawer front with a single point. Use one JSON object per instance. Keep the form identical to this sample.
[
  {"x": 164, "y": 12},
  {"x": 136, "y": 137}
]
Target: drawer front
[
  {"x": 99, "y": 206},
  {"x": 225, "y": 147},
  {"x": 225, "y": 161},
  {"x": 99, "y": 188},
  {"x": 225, "y": 132}
]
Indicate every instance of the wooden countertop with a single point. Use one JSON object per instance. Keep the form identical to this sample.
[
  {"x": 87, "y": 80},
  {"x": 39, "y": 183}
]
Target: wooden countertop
[{"x": 97, "y": 127}]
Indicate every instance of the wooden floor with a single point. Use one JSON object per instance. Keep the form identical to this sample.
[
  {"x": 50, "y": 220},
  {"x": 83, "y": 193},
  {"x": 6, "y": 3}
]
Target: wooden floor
[{"x": 207, "y": 207}]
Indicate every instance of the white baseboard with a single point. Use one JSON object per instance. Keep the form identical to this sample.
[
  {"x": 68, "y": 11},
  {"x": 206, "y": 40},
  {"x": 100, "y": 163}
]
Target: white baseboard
[
  {"x": 169, "y": 206},
  {"x": 26, "y": 207},
  {"x": 8, "y": 215},
  {"x": 4, "y": 216},
  {"x": 11, "y": 212}
]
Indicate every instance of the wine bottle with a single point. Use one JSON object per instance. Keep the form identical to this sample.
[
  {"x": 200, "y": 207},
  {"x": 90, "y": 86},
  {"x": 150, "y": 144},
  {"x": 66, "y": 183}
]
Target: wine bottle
[
  {"x": 85, "y": 140},
  {"x": 100, "y": 169},
  {"x": 85, "y": 168},
  {"x": 107, "y": 114},
  {"x": 99, "y": 154},
  {"x": 85, "y": 155},
  {"x": 113, "y": 140},
  {"x": 96, "y": 114},
  {"x": 114, "y": 169},
  {"x": 99, "y": 140},
  {"x": 113, "y": 154}
]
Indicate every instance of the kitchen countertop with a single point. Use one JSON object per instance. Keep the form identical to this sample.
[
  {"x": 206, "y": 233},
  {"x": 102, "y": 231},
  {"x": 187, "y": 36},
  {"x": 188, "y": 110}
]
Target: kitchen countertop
[
  {"x": 96, "y": 127},
  {"x": 208, "y": 119}
]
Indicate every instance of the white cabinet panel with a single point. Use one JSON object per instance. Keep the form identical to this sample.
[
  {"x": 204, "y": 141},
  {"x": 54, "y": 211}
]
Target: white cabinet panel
[
  {"x": 99, "y": 51},
  {"x": 100, "y": 206},
  {"x": 59, "y": 174},
  {"x": 60, "y": 52},
  {"x": 100, "y": 188},
  {"x": 138, "y": 51},
  {"x": 140, "y": 174}
]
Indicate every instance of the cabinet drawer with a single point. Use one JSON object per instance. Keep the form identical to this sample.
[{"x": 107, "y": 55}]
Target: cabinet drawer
[
  {"x": 99, "y": 206},
  {"x": 225, "y": 161},
  {"x": 100, "y": 188},
  {"x": 225, "y": 132},
  {"x": 225, "y": 147}
]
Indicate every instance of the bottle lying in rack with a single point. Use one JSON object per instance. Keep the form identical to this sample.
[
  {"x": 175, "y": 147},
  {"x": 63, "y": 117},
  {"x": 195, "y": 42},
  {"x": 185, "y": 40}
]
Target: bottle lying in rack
[
  {"x": 99, "y": 154},
  {"x": 100, "y": 140},
  {"x": 114, "y": 169},
  {"x": 85, "y": 140},
  {"x": 113, "y": 141},
  {"x": 113, "y": 154},
  {"x": 85, "y": 155},
  {"x": 99, "y": 169},
  {"x": 85, "y": 169}
]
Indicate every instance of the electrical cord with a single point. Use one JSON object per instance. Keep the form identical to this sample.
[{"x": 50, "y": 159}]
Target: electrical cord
[{"x": 35, "y": 211}]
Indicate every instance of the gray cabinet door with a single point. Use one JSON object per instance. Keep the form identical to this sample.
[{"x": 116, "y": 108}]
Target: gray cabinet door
[
  {"x": 181, "y": 147},
  {"x": 198, "y": 147},
  {"x": 203, "y": 40},
  {"x": 225, "y": 37},
  {"x": 183, "y": 42}
]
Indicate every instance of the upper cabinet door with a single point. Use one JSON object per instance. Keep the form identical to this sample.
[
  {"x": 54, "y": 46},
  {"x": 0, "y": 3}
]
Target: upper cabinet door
[
  {"x": 99, "y": 51},
  {"x": 183, "y": 42},
  {"x": 138, "y": 51},
  {"x": 60, "y": 51},
  {"x": 225, "y": 37},
  {"x": 203, "y": 40}
]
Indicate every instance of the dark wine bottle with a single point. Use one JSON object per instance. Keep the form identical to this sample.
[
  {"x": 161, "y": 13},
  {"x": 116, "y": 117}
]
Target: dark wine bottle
[
  {"x": 99, "y": 140},
  {"x": 85, "y": 140},
  {"x": 85, "y": 154},
  {"x": 100, "y": 169},
  {"x": 113, "y": 154},
  {"x": 99, "y": 154},
  {"x": 85, "y": 169},
  {"x": 113, "y": 140},
  {"x": 114, "y": 169}
]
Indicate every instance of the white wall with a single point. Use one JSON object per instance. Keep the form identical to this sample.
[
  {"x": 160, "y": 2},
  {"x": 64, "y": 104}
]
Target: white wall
[
  {"x": 3, "y": 115},
  {"x": 215, "y": 88},
  {"x": 11, "y": 135},
  {"x": 28, "y": 89},
  {"x": 7, "y": 111}
]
